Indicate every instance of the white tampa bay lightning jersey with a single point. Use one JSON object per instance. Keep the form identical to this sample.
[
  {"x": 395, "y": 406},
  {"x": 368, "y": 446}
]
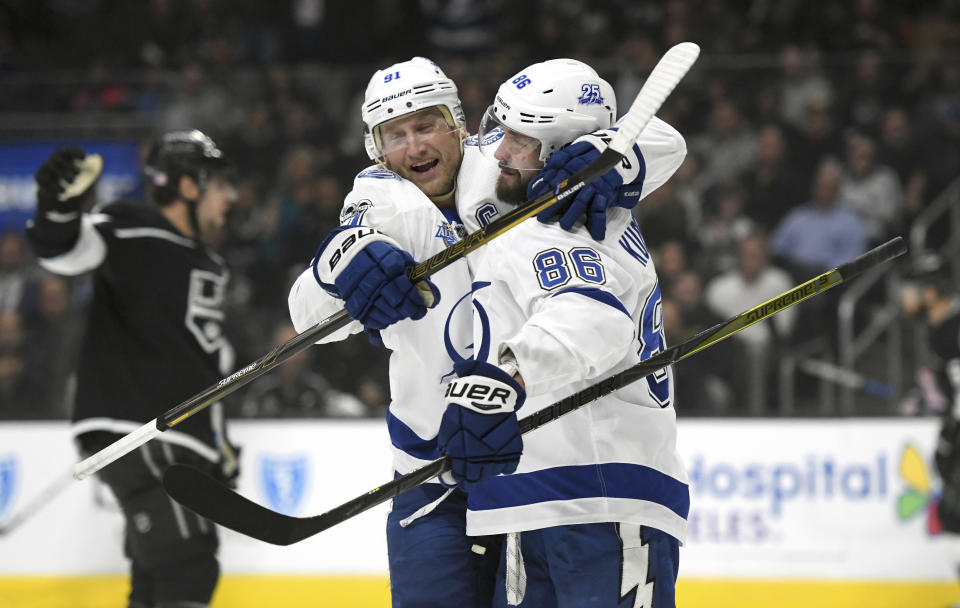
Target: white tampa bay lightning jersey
[
  {"x": 419, "y": 361},
  {"x": 574, "y": 311}
]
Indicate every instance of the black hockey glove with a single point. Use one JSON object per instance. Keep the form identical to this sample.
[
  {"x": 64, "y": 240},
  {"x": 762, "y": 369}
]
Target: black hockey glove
[{"x": 64, "y": 180}]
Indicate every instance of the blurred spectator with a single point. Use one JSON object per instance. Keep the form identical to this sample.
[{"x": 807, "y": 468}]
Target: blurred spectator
[
  {"x": 728, "y": 147},
  {"x": 329, "y": 201},
  {"x": 100, "y": 92},
  {"x": 637, "y": 56},
  {"x": 258, "y": 144},
  {"x": 688, "y": 190},
  {"x": 16, "y": 271},
  {"x": 19, "y": 394},
  {"x": 723, "y": 229},
  {"x": 816, "y": 237},
  {"x": 294, "y": 390},
  {"x": 200, "y": 103},
  {"x": 872, "y": 190},
  {"x": 702, "y": 385},
  {"x": 941, "y": 114},
  {"x": 687, "y": 293},
  {"x": 671, "y": 260},
  {"x": 872, "y": 25},
  {"x": 898, "y": 149},
  {"x": 817, "y": 139},
  {"x": 800, "y": 85},
  {"x": 455, "y": 27},
  {"x": 774, "y": 186},
  {"x": 289, "y": 225},
  {"x": 821, "y": 234},
  {"x": 733, "y": 292},
  {"x": 54, "y": 327},
  {"x": 866, "y": 93},
  {"x": 661, "y": 218}
]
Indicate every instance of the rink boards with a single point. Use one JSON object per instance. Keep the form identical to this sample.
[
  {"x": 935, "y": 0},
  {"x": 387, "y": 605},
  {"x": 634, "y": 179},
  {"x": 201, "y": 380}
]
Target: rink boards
[{"x": 786, "y": 513}]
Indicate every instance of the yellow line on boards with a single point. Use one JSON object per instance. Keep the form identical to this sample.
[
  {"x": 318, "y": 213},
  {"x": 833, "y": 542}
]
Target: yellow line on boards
[
  {"x": 233, "y": 592},
  {"x": 374, "y": 592},
  {"x": 725, "y": 593}
]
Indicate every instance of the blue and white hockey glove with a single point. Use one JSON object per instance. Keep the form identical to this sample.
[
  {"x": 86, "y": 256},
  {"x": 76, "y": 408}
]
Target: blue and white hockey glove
[
  {"x": 618, "y": 187},
  {"x": 368, "y": 270},
  {"x": 479, "y": 429}
]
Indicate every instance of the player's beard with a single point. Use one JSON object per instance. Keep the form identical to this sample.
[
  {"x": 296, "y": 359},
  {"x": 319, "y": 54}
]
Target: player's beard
[{"x": 512, "y": 191}]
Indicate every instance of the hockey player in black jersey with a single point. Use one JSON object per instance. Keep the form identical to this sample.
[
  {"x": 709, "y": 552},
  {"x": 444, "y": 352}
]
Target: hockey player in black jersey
[{"x": 153, "y": 338}]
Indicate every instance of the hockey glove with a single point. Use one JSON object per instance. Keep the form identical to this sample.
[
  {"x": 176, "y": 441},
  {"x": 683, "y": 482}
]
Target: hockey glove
[
  {"x": 595, "y": 198},
  {"x": 64, "y": 180},
  {"x": 479, "y": 429},
  {"x": 368, "y": 270}
]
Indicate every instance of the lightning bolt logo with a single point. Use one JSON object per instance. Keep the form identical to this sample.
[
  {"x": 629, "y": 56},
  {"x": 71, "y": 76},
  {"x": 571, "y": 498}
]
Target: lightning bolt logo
[{"x": 634, "y": 567}]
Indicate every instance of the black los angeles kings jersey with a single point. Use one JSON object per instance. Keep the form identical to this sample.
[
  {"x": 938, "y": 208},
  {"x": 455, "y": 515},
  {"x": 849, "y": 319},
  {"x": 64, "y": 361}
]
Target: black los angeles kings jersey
[{"x": 154, "y": 332}]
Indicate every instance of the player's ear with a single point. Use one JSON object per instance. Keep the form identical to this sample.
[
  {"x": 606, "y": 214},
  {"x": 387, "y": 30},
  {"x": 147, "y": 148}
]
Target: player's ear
[{"x": 188, "y": 188}]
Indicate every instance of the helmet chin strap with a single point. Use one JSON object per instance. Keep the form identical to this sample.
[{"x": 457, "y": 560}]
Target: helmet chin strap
[
  {"x": 192, "y": 205},
  {"x": 441, "y": 200}
]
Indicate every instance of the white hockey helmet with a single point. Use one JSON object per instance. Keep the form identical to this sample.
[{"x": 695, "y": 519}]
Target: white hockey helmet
[
  {"x": 553, "y": 102},
  {"x": 404, "y": 88}
]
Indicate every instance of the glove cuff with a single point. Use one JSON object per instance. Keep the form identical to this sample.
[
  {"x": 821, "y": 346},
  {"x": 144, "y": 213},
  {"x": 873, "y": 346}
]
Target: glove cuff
[
  {"x": 484, "y": 388},
  {"x": 483, "y": 395},
  {"x": 339, "y": 248},
  {"x": 629, "y": 169}
]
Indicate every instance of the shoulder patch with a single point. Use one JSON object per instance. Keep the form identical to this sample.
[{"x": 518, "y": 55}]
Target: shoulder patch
[
  {"x": 354, "y": 209},
  {"x": 374, "y": 173}
]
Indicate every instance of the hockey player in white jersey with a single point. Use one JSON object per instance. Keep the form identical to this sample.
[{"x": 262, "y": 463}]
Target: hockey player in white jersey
[
  {"x": 401, "y": 209},
  {"x": 425, "y": 172},
  {"x": 596, "y": 505}
]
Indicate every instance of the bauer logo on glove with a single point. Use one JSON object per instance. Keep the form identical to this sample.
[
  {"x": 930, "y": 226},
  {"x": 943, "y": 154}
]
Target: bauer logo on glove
[
  {"x": 479, "y": 430},
  {"x": 349, "y": 239},
  {"x": 484, "y": 396}
]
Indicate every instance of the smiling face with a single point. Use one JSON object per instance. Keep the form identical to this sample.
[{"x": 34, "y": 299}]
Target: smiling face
[
  {"x": 519, "y": 158},
  {"x": 422, "y": 147}
]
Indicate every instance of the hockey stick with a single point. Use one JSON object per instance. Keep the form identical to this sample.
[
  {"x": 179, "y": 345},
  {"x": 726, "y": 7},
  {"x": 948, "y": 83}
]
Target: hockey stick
[
  {"x": 665, "y": 76},
  {"x": 209, "y": 498},
  {"x": 39, "y": 501},
  {"x": 846, "y": 378}
]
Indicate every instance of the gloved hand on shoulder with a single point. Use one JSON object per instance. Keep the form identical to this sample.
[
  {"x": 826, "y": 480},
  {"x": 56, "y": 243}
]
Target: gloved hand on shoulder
[{"x": 618, "y": 187}]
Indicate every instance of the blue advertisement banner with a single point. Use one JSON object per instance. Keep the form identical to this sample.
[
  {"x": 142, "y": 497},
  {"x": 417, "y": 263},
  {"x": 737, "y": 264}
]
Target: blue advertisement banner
[{"x": 20, "y": 160}]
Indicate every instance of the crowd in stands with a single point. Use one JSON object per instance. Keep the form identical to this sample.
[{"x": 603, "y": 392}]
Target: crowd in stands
[{"x": 815, "y": 130}]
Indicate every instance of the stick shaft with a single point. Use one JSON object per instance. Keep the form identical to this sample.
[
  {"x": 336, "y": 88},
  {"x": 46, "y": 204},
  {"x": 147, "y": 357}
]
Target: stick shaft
[
  {"x": 704, "y": 339},
  {"x": 38, "y": 502},
  {"x": 206, "y": 496},
  {"x": 662, "y": 81},
  {"x": 115, "y": 450}
]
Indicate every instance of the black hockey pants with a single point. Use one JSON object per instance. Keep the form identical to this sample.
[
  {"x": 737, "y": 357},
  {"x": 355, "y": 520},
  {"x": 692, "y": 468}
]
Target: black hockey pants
[{"x": 172, "y": 551}]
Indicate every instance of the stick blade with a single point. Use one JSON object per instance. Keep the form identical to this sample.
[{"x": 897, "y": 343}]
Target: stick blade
[
  {"x": 209, "y": 498},
  {"x": 668, "y": 72}
]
